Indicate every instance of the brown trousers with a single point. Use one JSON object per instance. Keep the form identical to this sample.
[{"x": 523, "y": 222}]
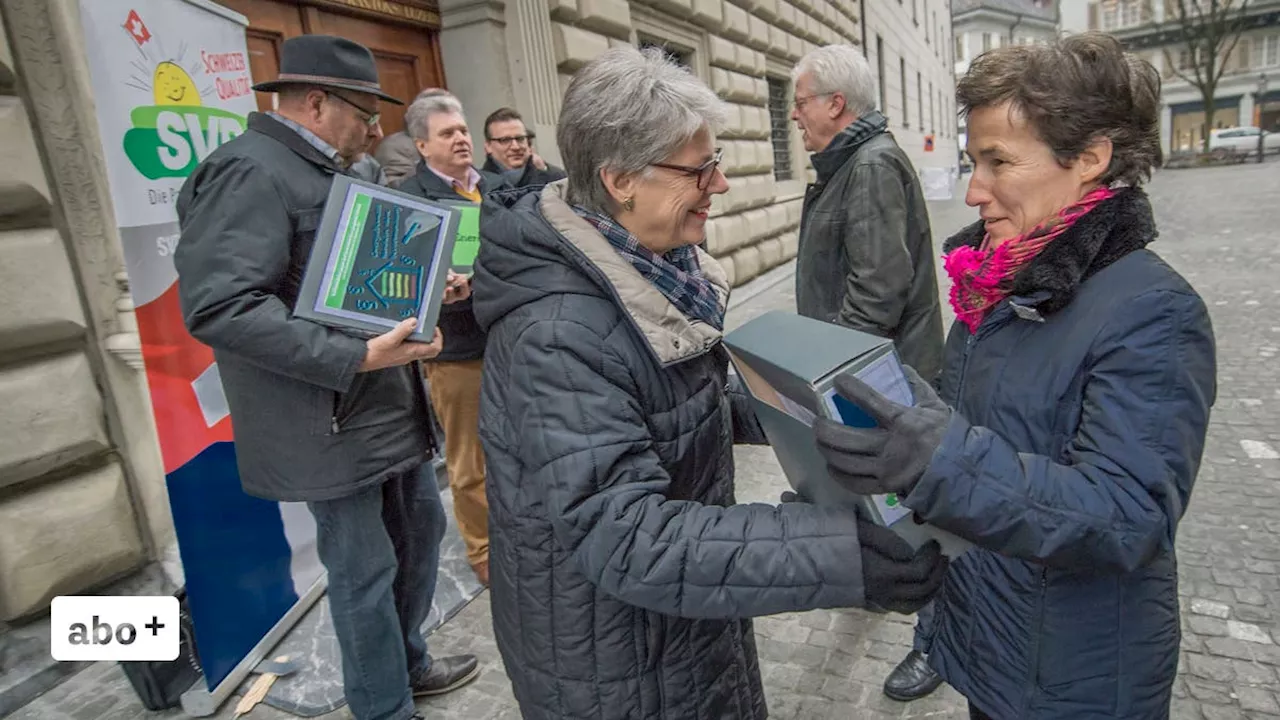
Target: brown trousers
[{"x": 455, "y": 394}]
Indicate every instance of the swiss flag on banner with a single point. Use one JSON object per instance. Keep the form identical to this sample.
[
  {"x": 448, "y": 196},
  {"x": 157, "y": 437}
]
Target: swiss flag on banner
[{"x": 136, "y": 28}]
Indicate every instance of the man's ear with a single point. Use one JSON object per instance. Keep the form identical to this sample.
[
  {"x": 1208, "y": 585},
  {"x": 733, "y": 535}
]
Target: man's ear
[
  {"x": 314, "y": 102},
  {"x": 837, "y": 105},
  {"x": 422, "y": 147},
  {"x": 620, "y": 185},
  {"x": 1093, "y": 162}
]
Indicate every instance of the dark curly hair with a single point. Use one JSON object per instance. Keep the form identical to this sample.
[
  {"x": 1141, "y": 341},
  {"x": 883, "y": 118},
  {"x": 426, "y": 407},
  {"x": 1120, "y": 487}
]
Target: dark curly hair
[{"x": 1072, "y": 92}]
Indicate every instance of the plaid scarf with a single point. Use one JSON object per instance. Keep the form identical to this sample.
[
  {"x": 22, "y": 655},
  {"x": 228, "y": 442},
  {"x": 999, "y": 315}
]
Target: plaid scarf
[
  {"x": 861, "y": 130},
  {"x": 982, "y": 278},
  {"x": 676, "y": 273}
]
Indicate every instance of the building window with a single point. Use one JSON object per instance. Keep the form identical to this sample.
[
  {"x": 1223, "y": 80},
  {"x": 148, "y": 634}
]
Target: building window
[
  {"x": 933, "y": 119},
  {"x": 1110, "y": 16},
  {"x": 957, "y": 45},
  {"x": 902, "y": 75},
  {"x": 780, "y": 128},
  {"x": 1130, "y": 13},
  {"x": 1266, "y": 51},
  {"x": 926, "y": 17},
  {"x": 915, "y": 12},
  {"x": 884, "y": 95},
  {"x": 675, "y": 54},
  {"x": 986, "y": 41},
  {"x": 920, "y": 101},
  {"x": 1187, "y": 60}
]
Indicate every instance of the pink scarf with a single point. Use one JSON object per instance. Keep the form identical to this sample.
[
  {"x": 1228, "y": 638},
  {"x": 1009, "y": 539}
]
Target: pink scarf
[{"x": 982, "y": 278}]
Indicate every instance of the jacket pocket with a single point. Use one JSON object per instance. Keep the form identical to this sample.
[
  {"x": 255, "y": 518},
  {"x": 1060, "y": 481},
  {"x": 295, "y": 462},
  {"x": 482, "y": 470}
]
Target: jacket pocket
[
  {"x": 654, "y": 637},
  {"x": 305, "y": 223},
  {"x": 1077, "y": 650}
]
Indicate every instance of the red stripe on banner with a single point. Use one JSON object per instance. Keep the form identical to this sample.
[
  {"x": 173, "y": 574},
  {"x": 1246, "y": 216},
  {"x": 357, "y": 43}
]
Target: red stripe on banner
[{"x": 174, "y": 360}]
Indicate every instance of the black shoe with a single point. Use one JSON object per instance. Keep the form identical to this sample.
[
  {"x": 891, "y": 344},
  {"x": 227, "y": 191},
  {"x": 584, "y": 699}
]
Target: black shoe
[
  {"x": 912, "y": 679},
  {"x": 447, "y": 674}
]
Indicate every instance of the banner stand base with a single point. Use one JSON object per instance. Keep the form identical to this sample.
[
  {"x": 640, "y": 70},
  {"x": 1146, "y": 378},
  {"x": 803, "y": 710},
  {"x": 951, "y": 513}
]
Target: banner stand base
[{"x": 199, "y": 701}]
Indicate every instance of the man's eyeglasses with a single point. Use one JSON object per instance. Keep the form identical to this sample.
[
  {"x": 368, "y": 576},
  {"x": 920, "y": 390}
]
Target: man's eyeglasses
[
  {"x": 513, "y": 139},
  {"x": 369, "y": 117},
  {"x": 800, "y": 101},
  {"x": 703, "y": 172}
]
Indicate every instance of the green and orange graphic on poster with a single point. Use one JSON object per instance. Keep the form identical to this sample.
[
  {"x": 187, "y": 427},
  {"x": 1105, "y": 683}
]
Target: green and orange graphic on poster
[{"x": 376, "y": 265}]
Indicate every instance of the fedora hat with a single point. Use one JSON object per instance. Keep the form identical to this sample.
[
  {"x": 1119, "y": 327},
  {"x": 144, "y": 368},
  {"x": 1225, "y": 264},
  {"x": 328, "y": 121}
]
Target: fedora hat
[{"x": 327, "y": 61}]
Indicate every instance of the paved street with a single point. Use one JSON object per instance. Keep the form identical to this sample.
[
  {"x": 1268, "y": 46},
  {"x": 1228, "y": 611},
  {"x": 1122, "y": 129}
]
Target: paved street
[{"x": 1219, "y": 228}]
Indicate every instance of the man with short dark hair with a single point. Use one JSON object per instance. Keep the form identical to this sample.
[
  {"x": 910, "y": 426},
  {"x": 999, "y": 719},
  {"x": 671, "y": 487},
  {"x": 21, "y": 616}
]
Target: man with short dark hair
[
  {"x": 321, "y": 416},
  {"x": 508, "y": 144}
]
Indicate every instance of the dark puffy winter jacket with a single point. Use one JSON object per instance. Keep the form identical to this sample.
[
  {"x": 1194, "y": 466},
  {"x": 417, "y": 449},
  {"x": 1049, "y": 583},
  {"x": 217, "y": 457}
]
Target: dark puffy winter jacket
[
  {"x": 1082, "y": 404},
  {"x": 622, "y": 570}
]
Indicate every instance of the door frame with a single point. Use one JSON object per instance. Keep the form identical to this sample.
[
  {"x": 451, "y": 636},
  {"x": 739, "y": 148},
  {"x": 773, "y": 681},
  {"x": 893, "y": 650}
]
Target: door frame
[{"x": 423, "y": 13}]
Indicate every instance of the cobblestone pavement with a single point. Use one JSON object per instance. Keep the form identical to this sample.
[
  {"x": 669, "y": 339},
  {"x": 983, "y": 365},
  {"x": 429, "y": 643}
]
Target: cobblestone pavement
[{"x": 1219, "y": 229}]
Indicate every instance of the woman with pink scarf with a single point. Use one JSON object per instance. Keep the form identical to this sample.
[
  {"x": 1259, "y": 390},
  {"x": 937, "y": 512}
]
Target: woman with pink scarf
[{"x": 1074, "y": 400}]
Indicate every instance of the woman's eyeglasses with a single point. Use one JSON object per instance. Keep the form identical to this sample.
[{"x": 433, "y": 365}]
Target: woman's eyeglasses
[{"x": 703, "y": 172}]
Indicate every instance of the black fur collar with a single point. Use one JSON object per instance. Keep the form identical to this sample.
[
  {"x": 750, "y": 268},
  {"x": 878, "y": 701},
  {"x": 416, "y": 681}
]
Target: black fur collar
[{"x": 1107, "y": 233}]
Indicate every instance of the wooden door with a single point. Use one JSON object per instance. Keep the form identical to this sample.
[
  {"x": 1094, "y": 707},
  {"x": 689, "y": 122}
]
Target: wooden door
[{"x": 408, "y": 56}]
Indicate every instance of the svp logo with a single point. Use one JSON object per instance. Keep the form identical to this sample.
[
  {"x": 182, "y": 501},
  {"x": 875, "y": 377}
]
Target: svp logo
[{"x": 177, "y": 130}]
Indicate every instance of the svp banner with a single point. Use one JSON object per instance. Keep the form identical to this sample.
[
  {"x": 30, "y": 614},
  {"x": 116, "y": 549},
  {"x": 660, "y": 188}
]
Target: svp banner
[{"x": 171, "y": 82}]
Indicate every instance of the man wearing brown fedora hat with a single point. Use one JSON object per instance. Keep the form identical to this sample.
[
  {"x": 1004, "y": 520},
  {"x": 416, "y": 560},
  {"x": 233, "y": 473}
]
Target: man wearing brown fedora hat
[{"x": 322, "y": 417}]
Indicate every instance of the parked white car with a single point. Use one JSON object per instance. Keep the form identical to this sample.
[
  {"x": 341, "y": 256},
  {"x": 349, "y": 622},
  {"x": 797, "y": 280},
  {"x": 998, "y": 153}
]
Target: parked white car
[{"x": 1243, "y": 140}]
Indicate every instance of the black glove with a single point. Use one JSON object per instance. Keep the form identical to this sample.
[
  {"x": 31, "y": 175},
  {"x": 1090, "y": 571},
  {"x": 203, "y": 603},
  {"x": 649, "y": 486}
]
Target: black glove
[
  {"x": 896, "y": 577},
  {"x": 789, "y": 497},
  {"x": 891, "y": 457}
]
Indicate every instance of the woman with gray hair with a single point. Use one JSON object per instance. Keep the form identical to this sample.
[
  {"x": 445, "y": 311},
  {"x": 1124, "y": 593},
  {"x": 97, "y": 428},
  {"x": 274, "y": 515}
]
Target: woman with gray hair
[{"x": 622, "y": 571}]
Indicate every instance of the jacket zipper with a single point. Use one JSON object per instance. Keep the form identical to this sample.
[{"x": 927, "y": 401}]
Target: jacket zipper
[
  {"x": 985, "y": 328},
  {"x": 1034, "y": 681}
]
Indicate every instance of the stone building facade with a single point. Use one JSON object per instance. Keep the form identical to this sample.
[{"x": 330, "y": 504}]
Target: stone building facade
[
  {"x": 982, "y": 25},
  {"x": 1150, "y": 28},
  {"x": 82, "y": 498},
  {"x": 744, "y": 49},
  {"x": 82, "y": 492}
]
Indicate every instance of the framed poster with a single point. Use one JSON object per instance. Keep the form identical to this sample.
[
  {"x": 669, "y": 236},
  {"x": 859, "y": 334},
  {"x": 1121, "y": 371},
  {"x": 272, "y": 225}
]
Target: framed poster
[{"x": 380, "y": 257}]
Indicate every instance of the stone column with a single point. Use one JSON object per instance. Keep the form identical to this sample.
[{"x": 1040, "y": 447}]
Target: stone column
[
  {"x": 533, "y": 69},
  {"x": 474, "y": 51},
  {"x": 1247, "y": 107},
  {"x": 499, "y": 53},
  {"x": 1166, "y": 129},
  {"x": 90, "y": 500}
]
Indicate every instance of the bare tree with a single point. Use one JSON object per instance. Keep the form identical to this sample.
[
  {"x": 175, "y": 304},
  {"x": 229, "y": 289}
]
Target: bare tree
[{"x": 1207, "y": 31}]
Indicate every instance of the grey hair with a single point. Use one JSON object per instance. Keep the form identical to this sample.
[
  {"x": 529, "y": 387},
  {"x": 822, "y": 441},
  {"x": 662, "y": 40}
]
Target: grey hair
[
  {"x": 429, "y": 102},
  {"x": 434, "y": 92},
  {"x": 840, "y": 69},
  {"x": 624, "y": 111}
]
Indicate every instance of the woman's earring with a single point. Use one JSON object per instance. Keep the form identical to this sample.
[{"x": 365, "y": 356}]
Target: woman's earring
[{"x": 629, "y": 204}]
